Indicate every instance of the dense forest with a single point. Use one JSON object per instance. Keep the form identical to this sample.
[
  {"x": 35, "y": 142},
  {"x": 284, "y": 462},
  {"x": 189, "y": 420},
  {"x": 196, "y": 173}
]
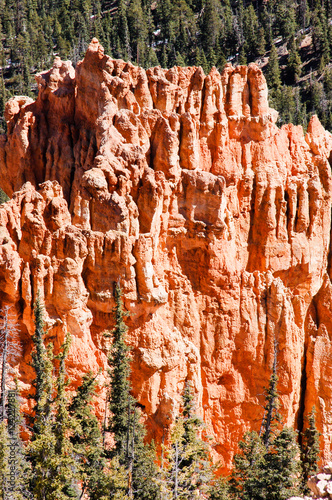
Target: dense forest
[
  {"x": 291, "y": 40},
  {"x": 68, "y": 453}
]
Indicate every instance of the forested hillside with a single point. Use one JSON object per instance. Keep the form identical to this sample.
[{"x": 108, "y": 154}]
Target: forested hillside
[{"x": 291, "y": 40}]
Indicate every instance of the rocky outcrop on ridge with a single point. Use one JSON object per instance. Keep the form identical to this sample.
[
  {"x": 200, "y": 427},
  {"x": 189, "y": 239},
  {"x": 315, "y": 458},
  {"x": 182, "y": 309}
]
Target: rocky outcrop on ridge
[{"x": 215, "y": 222}]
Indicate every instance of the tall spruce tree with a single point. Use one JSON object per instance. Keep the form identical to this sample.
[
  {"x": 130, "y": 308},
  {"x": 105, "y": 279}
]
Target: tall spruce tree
[
  {"x": 43, "y": 367},
  {"x": 189, "y": 469},
  {"x": 271, "y": 416},
  {"x": 120, "y": 397},
  {"x": 42, "y": 445},
  {"x": 294, "y": 62},
  {"x": 53, "y": 469},
  {"x": 64, "y": 468},
  {"x": 125, "y": 423},
  {"x": 268, "y": 465},
  {"x": 87, "y": 442},
  {"x": 282, "y": 466},
  {"x": 309, "y": 450},
  {"x": 273, "y": 70},
  {"x": 247, "y": 478},
  {"x": 3, "y": 196}
]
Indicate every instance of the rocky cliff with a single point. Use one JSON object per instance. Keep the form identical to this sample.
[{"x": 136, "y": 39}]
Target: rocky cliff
[{"x": 216, "y": 223}]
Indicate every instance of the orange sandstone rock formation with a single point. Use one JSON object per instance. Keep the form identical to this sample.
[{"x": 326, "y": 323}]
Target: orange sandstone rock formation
[{"x": 216, "y": 223}]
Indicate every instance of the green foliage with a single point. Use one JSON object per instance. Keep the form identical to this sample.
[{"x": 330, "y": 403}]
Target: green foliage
[
  {"x": 43, "y": 367},
  {"x": 290, "y": 106},
  {"x": 121, "y": 400},
  {"x": 130, "y": 451},
  {"x": 54, "y": 474},
  {"x": 248, "y": 473},
  {"x": 260, "y": 473},
  {"x": 189, "y": 470},
  {"x": 286, "y": 24},
  {"x": 268, "y": 464},
  {"x": 168, "y": 32},
  {"x": 294, "y": 62},
  {"x": 86, "y": 440},
  {"x": 251, "y": 34},
  {"x": 282, "y": 467},
  {"x": 271, "y": 416},
  {"x": 273, "y": 70},
  {"x": 309, "y": 450},
  {"x": 220, "y": 489}
]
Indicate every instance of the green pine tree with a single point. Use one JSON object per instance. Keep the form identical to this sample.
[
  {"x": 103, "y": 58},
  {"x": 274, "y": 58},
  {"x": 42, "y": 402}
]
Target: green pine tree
[
  {"x": 125, "y": 422},
  {"x": 268, "y": 465},
  {"x": 41, "y": 449},
  {"x": 43, "y": 367},
  {"x": 282, "y": 467},
  {"x": 251, "y": 32},
  {"x": 242, "y": 56},
  {"x": 189, "y": 470},
  {"x": 220, "y": 489},
  {"x": 248, "y": 473},
  {"x": 138, "y": 31},
  {"x": 122, "y": 30},
  {"x": 87, "y": 441},
  {"x": 210, "y": 24},
  {"x": 53, "y": 469},
  {"x": 120, "y": 397},
  {"x": 273, "y": 70},
  {"x": 309, "y": 450},
  {"x": 294, "y": 62},
  {"x": 179, "y": 60},
  {"x": 286, "y": 24},
  {"x": 271, "y": 416},
  {"x": 64, "y": 468}
]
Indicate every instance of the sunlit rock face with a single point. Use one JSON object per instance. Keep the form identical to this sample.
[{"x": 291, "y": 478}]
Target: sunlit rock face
[{"x": 215, "y": 222}]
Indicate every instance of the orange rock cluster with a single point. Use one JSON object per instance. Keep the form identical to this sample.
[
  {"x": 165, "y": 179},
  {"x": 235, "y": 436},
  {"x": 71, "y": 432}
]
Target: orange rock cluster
[{"x": 215, "y": 222}]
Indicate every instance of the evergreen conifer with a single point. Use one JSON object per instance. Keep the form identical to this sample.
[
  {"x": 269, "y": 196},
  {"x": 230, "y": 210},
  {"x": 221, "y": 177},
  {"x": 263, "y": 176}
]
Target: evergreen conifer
[
  {"x": 309, "y": 450},
  {"x": 248, "y": 473},
  {"x": 294, "y": 62},
  {"x": 87, "y": 441},
  {"x": 273, "y": 70},
  {"x": 268, "y": 465},
  {"x": 49, "y": 451},
  {"x": 125, "y": 425},
  {"x": 189, "y": 470}
]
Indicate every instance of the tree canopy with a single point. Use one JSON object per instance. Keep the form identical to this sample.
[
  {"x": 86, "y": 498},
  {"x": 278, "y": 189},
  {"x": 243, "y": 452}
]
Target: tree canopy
[{"x": 184, "y": 32}]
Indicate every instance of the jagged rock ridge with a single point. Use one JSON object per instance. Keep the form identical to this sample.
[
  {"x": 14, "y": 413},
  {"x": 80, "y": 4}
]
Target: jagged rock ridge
[{"x": 216, "y": 223}]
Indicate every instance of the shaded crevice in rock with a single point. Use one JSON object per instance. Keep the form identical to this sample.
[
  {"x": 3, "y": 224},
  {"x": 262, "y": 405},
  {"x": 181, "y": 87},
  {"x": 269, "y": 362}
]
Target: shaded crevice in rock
[{"x": 302, "y": 409}]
